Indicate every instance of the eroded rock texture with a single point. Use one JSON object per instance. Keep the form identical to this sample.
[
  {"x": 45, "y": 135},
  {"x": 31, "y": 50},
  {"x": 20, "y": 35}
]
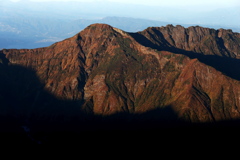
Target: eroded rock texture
[{"x": 170, "y": 73}]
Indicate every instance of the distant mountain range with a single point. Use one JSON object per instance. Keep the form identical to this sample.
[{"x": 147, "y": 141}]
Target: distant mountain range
[
  {"x": 106, "y": 80},
  {"x": 27, "y": 24},
  {"x": 32, "y": 33}
]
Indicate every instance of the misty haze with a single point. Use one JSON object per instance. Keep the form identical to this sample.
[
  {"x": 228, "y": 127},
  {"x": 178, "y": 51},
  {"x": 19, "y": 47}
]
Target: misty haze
[{"x": 29, "y": 24}]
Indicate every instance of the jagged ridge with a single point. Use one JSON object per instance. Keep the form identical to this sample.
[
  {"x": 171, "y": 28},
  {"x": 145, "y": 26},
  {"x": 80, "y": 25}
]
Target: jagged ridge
[{"x": 103, "y": 70}]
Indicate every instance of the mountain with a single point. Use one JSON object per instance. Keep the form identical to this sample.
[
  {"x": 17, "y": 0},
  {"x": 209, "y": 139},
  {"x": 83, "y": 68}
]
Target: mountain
[
  {"x": 34, "y": 32},
  {"x": 108, "y": 80},
  {"x": 30, "y": 24}
]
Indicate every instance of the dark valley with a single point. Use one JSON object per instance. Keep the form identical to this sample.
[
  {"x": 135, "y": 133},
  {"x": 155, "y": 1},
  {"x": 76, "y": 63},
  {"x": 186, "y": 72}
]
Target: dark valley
[{"x": 105, "y": 80}]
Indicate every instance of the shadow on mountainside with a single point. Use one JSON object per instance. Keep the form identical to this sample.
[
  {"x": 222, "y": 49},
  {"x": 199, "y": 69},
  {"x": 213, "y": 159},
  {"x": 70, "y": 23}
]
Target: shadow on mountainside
[
  {"x": 31, "y": 115},
  {"x": 228, "y": 66}
]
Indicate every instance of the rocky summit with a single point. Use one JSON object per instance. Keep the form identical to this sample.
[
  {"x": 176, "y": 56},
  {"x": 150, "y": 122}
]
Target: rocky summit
[{"x": 106, "y": 79}]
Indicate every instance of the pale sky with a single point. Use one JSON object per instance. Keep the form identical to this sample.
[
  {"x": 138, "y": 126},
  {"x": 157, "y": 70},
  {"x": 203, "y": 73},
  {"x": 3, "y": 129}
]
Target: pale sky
[{"x": 214, "y": 3}]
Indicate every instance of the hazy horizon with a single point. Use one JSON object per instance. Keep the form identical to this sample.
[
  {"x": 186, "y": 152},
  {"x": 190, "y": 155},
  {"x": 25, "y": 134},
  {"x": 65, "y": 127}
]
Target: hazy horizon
[
  {"x": 184, "y": 11},
  {"x": 24, "y": 22},
  {"x": 199, "y": 3}
]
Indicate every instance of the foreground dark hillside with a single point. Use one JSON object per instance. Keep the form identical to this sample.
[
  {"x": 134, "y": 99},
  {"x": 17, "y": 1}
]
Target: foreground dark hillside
[{"x": 104, "y": 80}]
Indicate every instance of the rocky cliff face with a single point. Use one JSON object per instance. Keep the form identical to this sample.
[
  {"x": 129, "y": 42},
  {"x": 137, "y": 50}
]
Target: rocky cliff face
[
  {"x": 162, "y": 73},
  {"x": 194, "y": 39}
]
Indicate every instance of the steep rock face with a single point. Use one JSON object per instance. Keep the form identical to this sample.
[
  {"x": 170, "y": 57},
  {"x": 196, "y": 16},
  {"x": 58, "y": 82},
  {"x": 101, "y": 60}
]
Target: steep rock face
[
  {"x": 195, "y": 39},
  {"x": 108, "y": 71},
  {"x": 58, "y": 69}
]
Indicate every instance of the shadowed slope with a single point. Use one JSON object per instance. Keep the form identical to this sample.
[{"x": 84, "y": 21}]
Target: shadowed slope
[
  {"x": 216, "y": 48},
  {"x": 104, "y": 78}
]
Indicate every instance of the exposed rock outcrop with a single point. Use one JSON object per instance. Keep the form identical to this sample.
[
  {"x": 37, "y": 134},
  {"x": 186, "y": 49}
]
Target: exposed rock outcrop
[{"x": 104, "y": 71}]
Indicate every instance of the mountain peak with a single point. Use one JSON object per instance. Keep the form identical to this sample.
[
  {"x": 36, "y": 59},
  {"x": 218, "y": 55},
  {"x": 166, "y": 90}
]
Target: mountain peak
[
  {"x": 100, "y": 26},
  {"x": 165, "y": 73},
  {"x": 96, "y": 30}
]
